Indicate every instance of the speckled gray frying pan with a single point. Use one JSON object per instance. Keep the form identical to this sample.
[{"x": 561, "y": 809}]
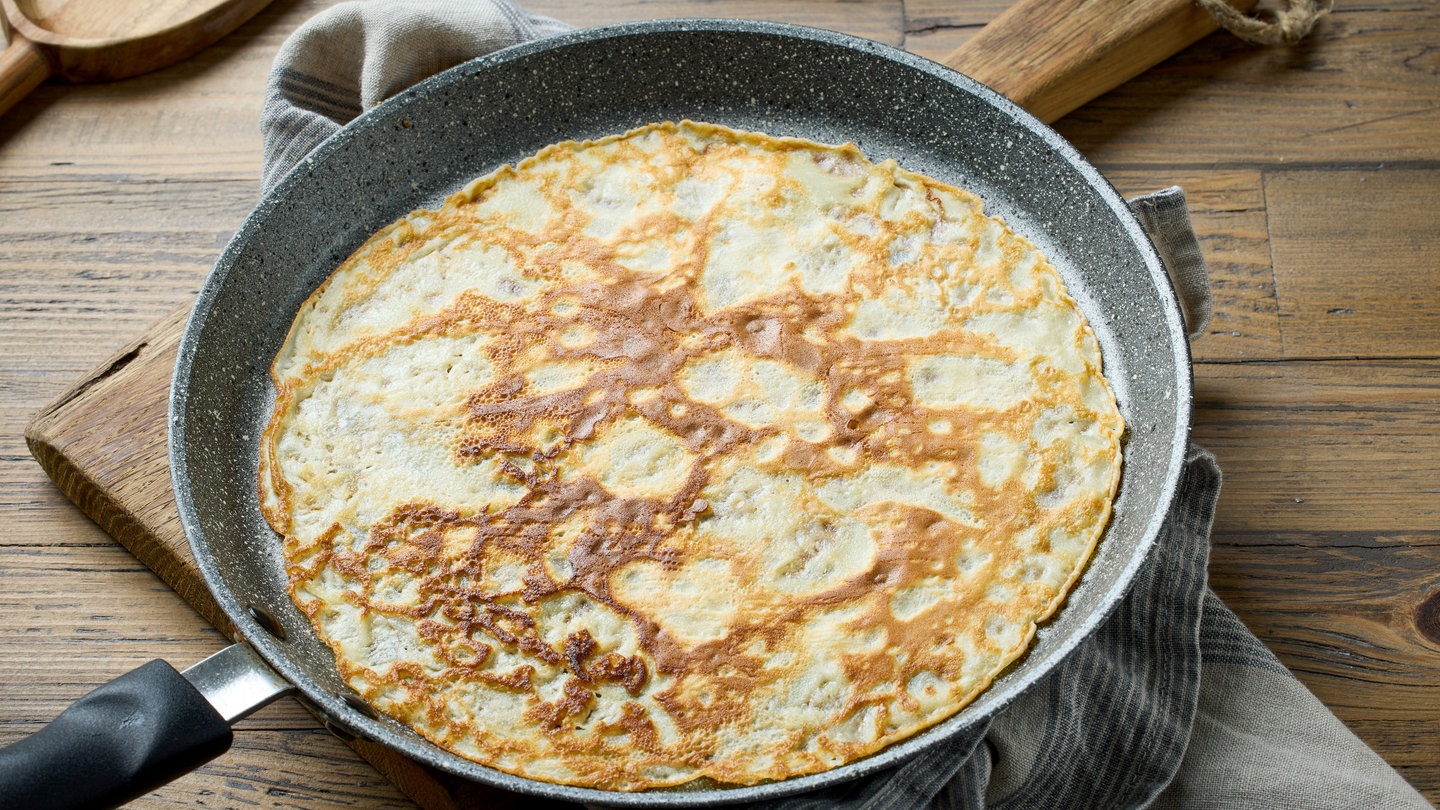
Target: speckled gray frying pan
[{"x": 414, "y": 149}]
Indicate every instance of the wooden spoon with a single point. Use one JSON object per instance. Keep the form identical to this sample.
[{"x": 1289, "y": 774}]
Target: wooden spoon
[{"x": 104, "y": 40}]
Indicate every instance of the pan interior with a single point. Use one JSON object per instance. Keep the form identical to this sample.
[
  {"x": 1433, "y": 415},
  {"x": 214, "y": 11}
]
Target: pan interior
[{"x": 782, "y": 80}]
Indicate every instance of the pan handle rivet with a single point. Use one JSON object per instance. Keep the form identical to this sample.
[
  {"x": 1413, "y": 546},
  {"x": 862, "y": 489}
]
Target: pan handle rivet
[
  {"x": 359, "y": 705},
  {"x": 266, "y": 622}
]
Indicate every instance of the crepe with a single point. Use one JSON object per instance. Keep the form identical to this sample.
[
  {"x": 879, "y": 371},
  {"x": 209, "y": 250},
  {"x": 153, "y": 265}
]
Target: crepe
[{"x": 687, "y": 454}]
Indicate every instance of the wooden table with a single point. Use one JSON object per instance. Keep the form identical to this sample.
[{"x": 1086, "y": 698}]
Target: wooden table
[{"x": 1314, "y": 177}]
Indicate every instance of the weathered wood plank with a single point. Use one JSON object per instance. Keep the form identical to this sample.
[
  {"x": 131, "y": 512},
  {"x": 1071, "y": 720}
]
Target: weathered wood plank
[
  {"x": 1298, "y": 272},
  {"x": 937, "y": 43},
  {"x": 1364, "y": 90},
  {"x": 1355, "y": 618},
  {"x": 880, "y": 20},
  {"x": 151, "y": 124},
  {"x": 1323, "y": 446},
  {"x": 154, "y": 240},
  {"x": 74, "y": 635},
  {"x": 268, "y": 769},
  {"x": 921, "y": 15},
  {"x": 1364, "y": 87},
  {"x": 105, "y": 447},
  {"x": 76, "y": 638},
  {"x": 1355, "y": 261}
]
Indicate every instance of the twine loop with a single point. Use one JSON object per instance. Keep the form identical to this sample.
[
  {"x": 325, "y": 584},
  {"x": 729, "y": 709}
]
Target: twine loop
[{"x": 1283, "y": 26}]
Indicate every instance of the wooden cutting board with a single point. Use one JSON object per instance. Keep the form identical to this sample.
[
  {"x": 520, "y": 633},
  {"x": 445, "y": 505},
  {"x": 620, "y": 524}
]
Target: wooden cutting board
[{"x": 103, "y": 443}]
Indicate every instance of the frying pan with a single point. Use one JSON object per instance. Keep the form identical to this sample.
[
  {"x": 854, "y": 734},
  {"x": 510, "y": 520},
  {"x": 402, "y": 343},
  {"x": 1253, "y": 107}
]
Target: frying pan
[{"x": 427, "y": 142}]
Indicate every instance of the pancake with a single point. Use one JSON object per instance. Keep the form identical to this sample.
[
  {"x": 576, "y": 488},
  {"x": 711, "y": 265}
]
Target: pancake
[{"x": 687, "y": 454}]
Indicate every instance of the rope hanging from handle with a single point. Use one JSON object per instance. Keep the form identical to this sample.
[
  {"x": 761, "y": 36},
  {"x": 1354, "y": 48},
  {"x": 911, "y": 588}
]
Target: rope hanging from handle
[{"x": 1286, "y": 26}]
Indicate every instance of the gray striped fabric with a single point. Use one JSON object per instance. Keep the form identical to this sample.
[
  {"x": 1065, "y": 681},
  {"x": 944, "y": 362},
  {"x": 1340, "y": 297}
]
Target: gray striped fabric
[
  {"x": 355, "y": 55},
  {"x": 1166, "y": 218},
  {"x": 1173, "y": 703}
]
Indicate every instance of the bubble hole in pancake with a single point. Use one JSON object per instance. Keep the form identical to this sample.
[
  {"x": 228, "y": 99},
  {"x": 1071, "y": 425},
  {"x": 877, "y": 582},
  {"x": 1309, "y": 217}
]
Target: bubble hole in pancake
[{"x": 687, "y": 454}]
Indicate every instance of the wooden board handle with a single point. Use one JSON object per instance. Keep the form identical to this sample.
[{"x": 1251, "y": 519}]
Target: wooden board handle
[
  {"x": 1051, "y": 56},
  {"x": 22, "y": 68}
]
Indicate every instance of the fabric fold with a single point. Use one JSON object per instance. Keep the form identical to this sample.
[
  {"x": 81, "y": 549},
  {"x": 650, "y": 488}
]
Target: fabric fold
[{"x": 356, "y": 54}]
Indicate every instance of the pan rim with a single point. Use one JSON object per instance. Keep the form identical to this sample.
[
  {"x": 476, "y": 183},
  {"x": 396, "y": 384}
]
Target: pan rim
[{"x": 953, "y": 727}]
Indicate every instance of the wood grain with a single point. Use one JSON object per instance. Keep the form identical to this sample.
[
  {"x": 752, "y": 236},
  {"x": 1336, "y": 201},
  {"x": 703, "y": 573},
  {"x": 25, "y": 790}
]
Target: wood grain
[
  {"x": 1323, "y": 249},
  {"x": 929, "y": 15},
  {"x": 23, "y": 67},
  {"x": 880, "y": 20},
  {"x": 105, "y": 40},
  {"x": 115, "y": 199},
  {"x": 1340, "y": 610},
  {"x": 103, "y": 443},
  {"x": 1051, "y": 56},
  {"x": 1299, "y": 439},
  {"x": 1228, "y": 212},
  {"x": 1362, "y": 90}
]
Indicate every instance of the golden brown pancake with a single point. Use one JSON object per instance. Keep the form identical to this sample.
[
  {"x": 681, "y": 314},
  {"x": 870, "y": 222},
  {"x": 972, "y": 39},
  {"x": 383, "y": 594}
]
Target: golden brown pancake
[{"x": 686, "y": 454}]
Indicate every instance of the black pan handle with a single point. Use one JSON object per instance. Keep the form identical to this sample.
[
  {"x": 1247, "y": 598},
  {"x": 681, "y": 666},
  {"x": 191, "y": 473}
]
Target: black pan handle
[{"x": 135, "y": 733}]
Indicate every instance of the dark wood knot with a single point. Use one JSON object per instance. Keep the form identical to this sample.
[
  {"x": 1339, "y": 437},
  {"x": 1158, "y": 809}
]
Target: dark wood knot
[{"x": 1427, "y": 617}]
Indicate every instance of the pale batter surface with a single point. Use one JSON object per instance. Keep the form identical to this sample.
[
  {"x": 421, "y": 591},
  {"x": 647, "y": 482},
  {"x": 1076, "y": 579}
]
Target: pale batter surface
[{"x": 687, "y": 453}]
